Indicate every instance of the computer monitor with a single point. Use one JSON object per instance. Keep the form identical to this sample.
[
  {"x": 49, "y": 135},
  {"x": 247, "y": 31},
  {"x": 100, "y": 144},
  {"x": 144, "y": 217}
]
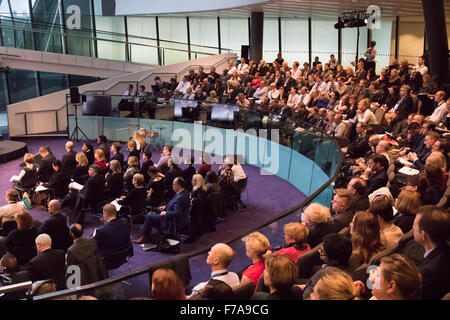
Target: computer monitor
[
  {"x": 97, "y": 105},
  {"x": 223, "y": 112},
  {"x": 180, "y": 104}
]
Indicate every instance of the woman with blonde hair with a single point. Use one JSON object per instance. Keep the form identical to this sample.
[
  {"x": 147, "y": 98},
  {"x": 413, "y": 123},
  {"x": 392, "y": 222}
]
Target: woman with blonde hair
[
  {"x": 166, "y": 285},
  {"x": 318, "y": 220},
  {"x": 133, "y": 168},
  {"x": 365, "y": 236},
  {"x": 335, "y": 285},
  {"x": 201, "y": 217},
  {"x": 295, "y": 236},
  {"x": 437, "y": 159},
  {"x": 397, "y": 278},
  {"x": 80, "y": 173},
  {"x": 406, "y": 205},
  {"x": 257, "y": 247},
  {"x": 280, "y": 275}
]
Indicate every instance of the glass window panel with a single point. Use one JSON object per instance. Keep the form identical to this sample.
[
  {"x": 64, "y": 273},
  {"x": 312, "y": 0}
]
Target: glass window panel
[
  {"x": 80, "y": 42},
  {"x": 294, "y": 40},
  {"x": 142, "y": 27},
  {"x": 234, "y": 33},
  {"x": 4, "y": 9},
  {"x": 110, "y": 28},
  {"x": 45, "y": 15},
  {"x": 52, "y": 82},
  {"x": 382, "y": 37},
  {"x": 19, "y": 8},
  {"x": 203, "y": 33},
  {"x": 349, "y": 39},
  {"x": 270, "y": 39},
  {"x": 76, "y": 80},
  {"x": 3, "y": 93},
  {"x": 173, "y": 29},
  {"x": 22, "y": 85},
  {"x": 324, "y": 39}
]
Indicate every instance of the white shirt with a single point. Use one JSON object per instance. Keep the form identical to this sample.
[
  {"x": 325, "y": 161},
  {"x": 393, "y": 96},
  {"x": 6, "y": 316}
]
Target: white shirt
[
  {"x": 182, "y": 86},
  {"x": 439, "y": 112},
  {"x": 238, "y": 172},
  {"x": 370, "y": 54},
  {"x": 367, "y": 117},
  {"x": 292, "y": 100},
  {"x": 422, "y": 69},
  {"x": 128, "y": 95},
  {"x": 321, "y": 87},
  {"x": 242, "y": 67},
  {"x": 233, "y": 68},
  {"x": 261, "y": 93},
  {"x": 187, "y": 96},
  {"x": 273, "y": 95},
  {"x": 230, "y": 279},
  {"x": 296, "y": 73}
]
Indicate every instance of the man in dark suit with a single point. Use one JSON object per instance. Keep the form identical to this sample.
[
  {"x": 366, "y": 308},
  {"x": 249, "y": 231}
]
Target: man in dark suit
[
  {"x": 68, "y": 160},
  {"x": 56, "y": 227},
  {"x": 360, "y": 145},
  {"x": 92, "y": 193},
  {"x": 341, "y": 208},
  {"x": 147, "y": 156},
  {"x": 432, "y": 230},
  {"x": 114, "y": 234},
  {"x": 45, "y": 169},
  {"x": 48, "y": 264},
  {"x": 358, "y": 188},
  {"x": 376, "y": 172},
  {"x": 176, "y": 210},
  {"x": 419, "y": 159},
  {"x": 116, "y": 154},
  {"x": 84, "y": 253},
  {"x": 405, "y": 105},
  {"x": 288, "y": 83}
]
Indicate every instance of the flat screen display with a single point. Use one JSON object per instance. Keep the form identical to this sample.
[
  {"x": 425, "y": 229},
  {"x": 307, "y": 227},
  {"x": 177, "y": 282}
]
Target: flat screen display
[
  {"x": 180, "y": 104},
  {"x": 223, "y": 112}
]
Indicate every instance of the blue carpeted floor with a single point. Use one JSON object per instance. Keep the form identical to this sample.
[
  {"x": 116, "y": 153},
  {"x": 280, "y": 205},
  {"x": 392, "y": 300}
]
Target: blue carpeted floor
[{"x": 267, "y": 196}]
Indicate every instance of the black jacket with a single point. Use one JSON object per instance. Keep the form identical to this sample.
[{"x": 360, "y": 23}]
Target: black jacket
[
  {"x": 56, "y": 227},
  {"x": 135, "y": 199},
  {"x": 49, "y": 264},
  {"x": 59, "y": 182},
  {"x": 68, "y": 162},
  {"x": 114, "y": 182},
  {"x": 378, "y": 180},
  {"x": 405, "y": 107},
  {"x": 435, "y": 277},
  {"x": 94, "y": 190},
  {"x": 360, "y": 202},
  {"x": 113, "y": 236},
  {"x": 45, "y": 170},
  {"x": 119, "y": 157}
]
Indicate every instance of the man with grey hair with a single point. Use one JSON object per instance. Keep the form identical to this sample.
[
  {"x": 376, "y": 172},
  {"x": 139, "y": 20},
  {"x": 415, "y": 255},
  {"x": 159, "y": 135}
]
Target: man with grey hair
[
  {"x": 56, "y": 227},
  {"x": 48, "y": 264}
]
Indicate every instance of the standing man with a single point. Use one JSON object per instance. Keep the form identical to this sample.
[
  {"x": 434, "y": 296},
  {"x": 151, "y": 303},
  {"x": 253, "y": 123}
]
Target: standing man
[
  {"x": 370, "y": 55},
  {"x": 68, "y": 160}
]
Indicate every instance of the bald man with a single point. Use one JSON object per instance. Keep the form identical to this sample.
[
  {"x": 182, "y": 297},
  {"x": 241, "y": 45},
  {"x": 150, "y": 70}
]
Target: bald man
[
  {"x": 68, "y": 160},
  {"x": 48, "y": 264},
  {"x": 219, "y": 258},
  {"x": 56, "y": 227}
]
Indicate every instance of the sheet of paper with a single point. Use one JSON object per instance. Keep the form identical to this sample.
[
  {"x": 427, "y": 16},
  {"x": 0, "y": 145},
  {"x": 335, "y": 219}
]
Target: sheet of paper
[
  {"x": 14, "y": 178},
  {"x": 40, "y": 188},
  {"x": 118, "y": 206},
  {"x": 409, "y": 171},
  {"x": 76, "y": 186}
]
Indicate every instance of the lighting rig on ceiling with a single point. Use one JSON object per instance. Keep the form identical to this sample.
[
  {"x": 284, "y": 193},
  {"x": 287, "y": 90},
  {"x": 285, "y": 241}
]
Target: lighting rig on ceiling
[{"x": 352, "y": 19}]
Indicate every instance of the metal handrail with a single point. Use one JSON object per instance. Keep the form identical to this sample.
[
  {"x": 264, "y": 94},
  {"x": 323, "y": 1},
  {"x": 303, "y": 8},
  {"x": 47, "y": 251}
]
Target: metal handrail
[
  {"x": 37, "y": 111},
  {"x": 205, "y": 248}
]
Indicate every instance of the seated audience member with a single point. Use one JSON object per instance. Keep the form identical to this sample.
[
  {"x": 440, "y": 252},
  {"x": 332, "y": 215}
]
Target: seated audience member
[
  {"x": 68, "y": 160},
  {"x": 381, "y": 207},
  {"x": 432, "y": 231},
  {"x": 219, "y": 258},
  {"x": 28, "y": 176},
  {"x": 48, "y": 264},
  {"x": 135, "y": 198},
  {"x": 80, "y": 173},
  {"x": 399, "y": 279},
  {"x": 358, "y": 188},
  {"x": 165, "y": 156},
  {"x": 133, "y": 168},
  {"x": 156, "y": 187},
  {"x": 45, "y": 170},
  {"x": 166, "y": 285},
  {"x": 335, "y": 253},
  {"x": 376, "y": 172},
  {"x": 9, "y": 269},
  {"x": 114, "y": 234},
  {"x": 174, "y": 172},
  {"x": 319, "y": 223},
  {"x": 280, "y": 275},
  {"x": 91, "y": 194},
  {"x": 360, "y": 144},
  {"x": 407, "y": 204},
  {"x": 216, "y": 290},
  {"x": 8, "y": 211},
  {"x": 88, "y": 151},
  {"x": 102, "y": 143},
  {"x": 365, "y": 235},
  {"x": 116, "y": 154},
  {"x": 295, "y": 235},
  {"x": 175, "y": 212},
  {"x": 206, "y": 165},
  {"x": 100, "y": 159},
  {"x": 201, "y": 217},
  {"x": 257, "y": 247},
  {"x": 20, "y": 242},
  {"x": 84, "y": 253},
  {"x": 188, "y": 172},
  {"x": 56, "y": 227},
  {"x": 335, "y": 285},
  {"x": 59, "y": 182},
  {"x": 147, "y": 157},
  {"x": 418, "y": 159},
  {"x": 114, "y": 180},
  {"x": 341, "y": 205},
  {"x": 134, "y": 152},
  {"x": 435, "y": 184}
]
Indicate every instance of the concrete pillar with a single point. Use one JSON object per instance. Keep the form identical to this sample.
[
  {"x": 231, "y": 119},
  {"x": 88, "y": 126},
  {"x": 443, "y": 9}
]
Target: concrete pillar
[
  {"x": 256, "y": 35},
  {"x": 436, "y": 34}
]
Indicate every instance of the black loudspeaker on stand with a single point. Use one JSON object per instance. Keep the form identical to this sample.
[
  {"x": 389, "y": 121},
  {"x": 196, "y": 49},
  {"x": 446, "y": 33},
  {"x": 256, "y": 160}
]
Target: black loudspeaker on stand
[
  {"x": 75, "y": 100},
  {"x": 244, "y": 52}
]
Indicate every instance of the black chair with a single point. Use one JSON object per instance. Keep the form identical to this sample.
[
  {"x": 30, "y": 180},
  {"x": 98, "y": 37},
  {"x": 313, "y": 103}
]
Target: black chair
[
  {"x": 169, "y": 229},
  {"x": 307, "y": 261},
  {"x": 8, "y": 226},
  {"x": 244, "y": 291},
  {"x": 117, "y": 259}
]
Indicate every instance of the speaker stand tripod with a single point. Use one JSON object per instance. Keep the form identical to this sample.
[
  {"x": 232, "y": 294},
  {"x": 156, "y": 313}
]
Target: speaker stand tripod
[{"x": 77, "y": 128}]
